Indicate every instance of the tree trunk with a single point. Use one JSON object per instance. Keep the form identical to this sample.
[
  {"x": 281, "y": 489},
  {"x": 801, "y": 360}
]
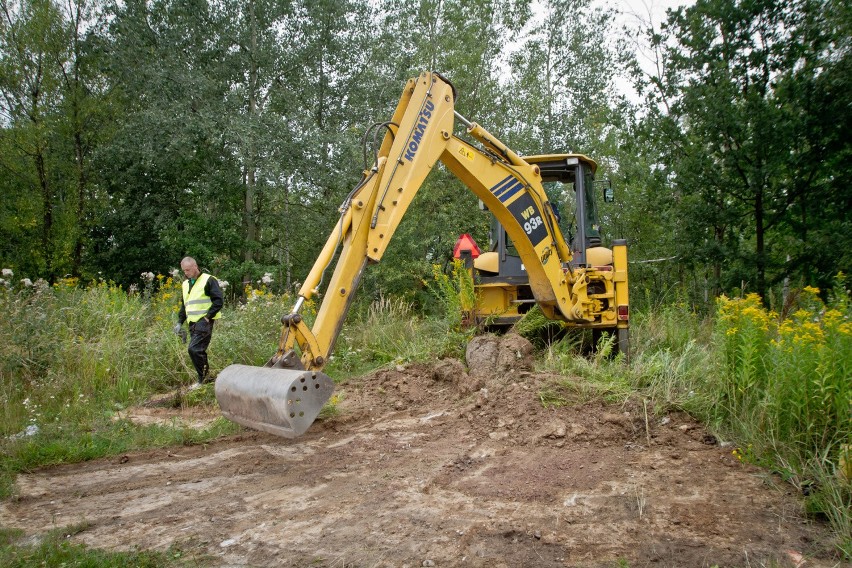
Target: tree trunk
[
  {"x": 286, "y": 244},
  {"x": 760, "y": 243},
  {"x": 76, "y": 92},
  {"x": 47, "y": 212},
  {"x": 77, "y": 259},
  {"x": 250, "y": 177},
  {"x": 719, "y": 234}
]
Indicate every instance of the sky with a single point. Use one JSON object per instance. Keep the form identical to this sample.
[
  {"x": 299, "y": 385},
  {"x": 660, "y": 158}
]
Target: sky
[
  {"x": 642, "y": 8},
  {"x": 638, "y": 13}
]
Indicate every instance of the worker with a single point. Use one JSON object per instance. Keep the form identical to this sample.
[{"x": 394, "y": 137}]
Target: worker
[{"x": 201, "y": 303}]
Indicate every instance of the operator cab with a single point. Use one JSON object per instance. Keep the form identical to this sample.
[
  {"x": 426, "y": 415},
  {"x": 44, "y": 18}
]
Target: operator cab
[{"x": 569, "y": 181}]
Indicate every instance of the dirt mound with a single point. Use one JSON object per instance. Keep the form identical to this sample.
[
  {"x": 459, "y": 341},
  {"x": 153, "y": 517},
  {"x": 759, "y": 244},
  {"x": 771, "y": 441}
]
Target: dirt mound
[
  {"x": 499, "y": 356},
  {"x": 440, "y": 464}
]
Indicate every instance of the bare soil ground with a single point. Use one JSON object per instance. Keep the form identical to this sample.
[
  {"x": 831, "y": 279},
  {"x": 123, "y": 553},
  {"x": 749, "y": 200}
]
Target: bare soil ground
[{"x": 439, "y": 465}]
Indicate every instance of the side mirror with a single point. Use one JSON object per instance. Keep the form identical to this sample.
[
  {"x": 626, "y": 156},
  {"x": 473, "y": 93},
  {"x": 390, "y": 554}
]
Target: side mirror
[{"x": 608, "y": 192}]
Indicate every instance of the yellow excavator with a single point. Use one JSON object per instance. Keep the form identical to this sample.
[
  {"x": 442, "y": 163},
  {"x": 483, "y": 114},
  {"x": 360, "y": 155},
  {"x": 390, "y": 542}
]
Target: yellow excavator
[
  {"x": 285, "y": 396},
  {"x": 503, "y": 294}
]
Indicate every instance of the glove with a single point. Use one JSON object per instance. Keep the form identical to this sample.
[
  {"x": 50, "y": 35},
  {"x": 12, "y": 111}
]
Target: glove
[{"x": 177, "y": 328}]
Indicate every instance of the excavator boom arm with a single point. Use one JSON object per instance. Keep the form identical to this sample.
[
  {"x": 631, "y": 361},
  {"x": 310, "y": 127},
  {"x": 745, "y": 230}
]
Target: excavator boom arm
[
  {"x": 286, "y": 395},
  {"x": 422, "y": 134}
]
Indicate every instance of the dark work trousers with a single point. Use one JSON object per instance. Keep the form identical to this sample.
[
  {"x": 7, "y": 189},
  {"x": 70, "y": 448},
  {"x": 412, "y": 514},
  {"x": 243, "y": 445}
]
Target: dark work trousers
[{"x": 200, "y": 334}]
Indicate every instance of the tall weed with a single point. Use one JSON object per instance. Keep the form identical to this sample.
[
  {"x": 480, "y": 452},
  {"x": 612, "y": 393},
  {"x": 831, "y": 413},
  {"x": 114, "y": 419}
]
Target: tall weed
[
  {"x": 392, "y": 332},
  {"x": 786, "y": 391},
  {"x": 71, "y": 357},
  {"x": 791, "y": 379}
]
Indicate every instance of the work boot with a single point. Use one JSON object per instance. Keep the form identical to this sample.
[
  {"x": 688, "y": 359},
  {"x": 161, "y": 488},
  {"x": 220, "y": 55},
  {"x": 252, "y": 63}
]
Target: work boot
[{"x": 206, "y": 378}]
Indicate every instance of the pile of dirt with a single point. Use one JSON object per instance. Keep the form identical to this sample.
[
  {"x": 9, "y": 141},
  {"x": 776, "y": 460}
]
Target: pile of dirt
[{"x": 443, "y": 464}]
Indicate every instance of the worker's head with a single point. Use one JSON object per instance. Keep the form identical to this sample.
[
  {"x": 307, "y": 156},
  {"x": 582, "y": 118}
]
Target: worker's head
[{"x": 190, "y": 267}]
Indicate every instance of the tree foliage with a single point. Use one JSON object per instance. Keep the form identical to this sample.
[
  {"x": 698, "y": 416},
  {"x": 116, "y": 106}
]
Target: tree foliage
[
  {"x": 748, "y": 118},
  {"x": 133, "y": 133}
]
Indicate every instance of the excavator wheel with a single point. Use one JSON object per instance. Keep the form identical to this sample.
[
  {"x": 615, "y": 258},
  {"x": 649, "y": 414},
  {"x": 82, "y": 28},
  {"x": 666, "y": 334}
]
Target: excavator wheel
[
  {"x": 622, "y": 342},
  {"x": 283, "y": 402}
]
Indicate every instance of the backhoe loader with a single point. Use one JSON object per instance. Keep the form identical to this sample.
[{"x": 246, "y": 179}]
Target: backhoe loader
[
  {"x": 285, "y": 396},
  {"x": 501, "y": 285}
]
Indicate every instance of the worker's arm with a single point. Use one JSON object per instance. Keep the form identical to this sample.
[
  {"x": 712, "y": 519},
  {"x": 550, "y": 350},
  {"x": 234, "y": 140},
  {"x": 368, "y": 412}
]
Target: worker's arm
[{"x": 214, "y": 292}]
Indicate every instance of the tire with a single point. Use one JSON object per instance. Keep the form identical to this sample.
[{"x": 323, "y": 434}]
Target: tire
[{"x": 622, "y": 342}]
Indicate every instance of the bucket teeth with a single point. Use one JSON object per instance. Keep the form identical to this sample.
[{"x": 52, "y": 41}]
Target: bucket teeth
[{"x": 283, "y": 402}]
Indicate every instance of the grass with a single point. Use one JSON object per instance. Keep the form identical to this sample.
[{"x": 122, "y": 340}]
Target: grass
[
  {"x": 71, "y": 358},
  {"x": 54, "y": 549}
]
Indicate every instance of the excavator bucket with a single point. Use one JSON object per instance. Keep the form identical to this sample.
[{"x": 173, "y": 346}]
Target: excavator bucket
[{"x": 284, "y": 402}]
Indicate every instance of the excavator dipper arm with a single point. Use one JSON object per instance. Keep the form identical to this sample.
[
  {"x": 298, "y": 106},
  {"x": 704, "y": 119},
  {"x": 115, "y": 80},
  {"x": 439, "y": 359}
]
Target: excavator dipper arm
[{"x": 286, "y": 395}]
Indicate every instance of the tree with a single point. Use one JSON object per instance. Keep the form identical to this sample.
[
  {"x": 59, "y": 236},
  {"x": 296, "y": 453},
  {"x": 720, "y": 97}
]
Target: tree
[
  {"x": 171, "y": 186},
  {"x": 745, "y": 144},
  {"x": 33, "y": 50}
]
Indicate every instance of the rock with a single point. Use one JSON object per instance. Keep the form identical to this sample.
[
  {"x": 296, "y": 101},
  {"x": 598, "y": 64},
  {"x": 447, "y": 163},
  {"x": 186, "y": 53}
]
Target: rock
[
  {"x": 576, "y": 430},
  {"x": 481, "y": 397},
  {"x": 481, "y": 354},
  {"x": 428, "y": 563},
  {"x": 618, "y": 419},
  {"x": 452, "y": 371},
  {"x": 448, "y": 371},
  {"x": 514, "y": 353},
  {"x": 558, "y": 429},
  {"x": 493, "y": 356}
]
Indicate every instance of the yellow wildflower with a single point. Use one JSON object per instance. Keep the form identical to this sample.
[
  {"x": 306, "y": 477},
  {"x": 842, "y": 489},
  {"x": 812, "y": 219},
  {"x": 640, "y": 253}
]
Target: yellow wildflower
[
  {"x": 832, "y": 317},
  {"x": 802, "y": 314},
  {"x": 809, "y": 332}
]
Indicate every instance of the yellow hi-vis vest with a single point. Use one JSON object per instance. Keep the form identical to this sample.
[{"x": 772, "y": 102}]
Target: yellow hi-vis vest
[{"x": 195, "y": 301}]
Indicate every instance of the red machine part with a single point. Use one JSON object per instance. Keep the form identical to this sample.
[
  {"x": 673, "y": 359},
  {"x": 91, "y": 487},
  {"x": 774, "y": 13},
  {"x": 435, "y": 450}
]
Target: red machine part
[{"x": 466, "y": 242}]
